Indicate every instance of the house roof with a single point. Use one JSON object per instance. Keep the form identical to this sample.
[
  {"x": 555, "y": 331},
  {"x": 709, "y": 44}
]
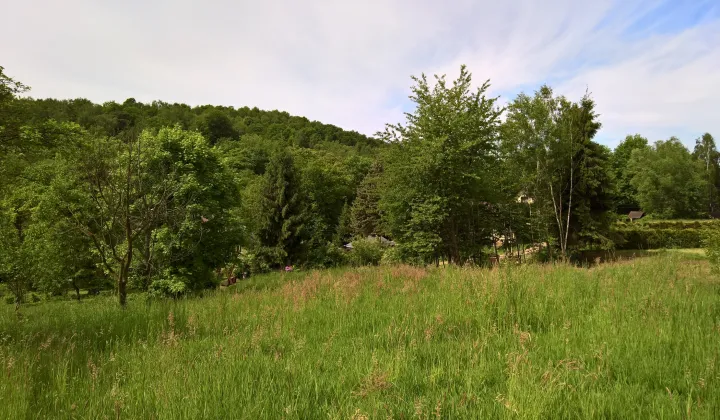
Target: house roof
[
  {"x": 636, "y": 214},
  {"x": 383, "y": 240}
]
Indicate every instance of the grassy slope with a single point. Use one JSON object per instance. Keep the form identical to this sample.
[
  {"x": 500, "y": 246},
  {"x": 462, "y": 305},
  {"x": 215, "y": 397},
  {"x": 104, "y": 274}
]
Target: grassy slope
[{"x": 628, "y": 340}]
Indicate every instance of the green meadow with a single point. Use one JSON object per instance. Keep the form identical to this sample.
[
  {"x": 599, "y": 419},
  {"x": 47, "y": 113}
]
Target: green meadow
[{"x": 630, "y": 339}]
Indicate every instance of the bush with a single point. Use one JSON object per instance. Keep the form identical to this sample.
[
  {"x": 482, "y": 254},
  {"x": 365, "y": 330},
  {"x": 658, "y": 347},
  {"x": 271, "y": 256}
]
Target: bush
[
  {"x": 392, "y": 255},
  {"x": 366, "y": 252},
  {"x": 171, "y": 286},
  {"x": 263, "y": 259},
  {"x": 711, "y": 241},
  {"x": 9, "y": 299},
  {"x": 661, "y": 234},
  {"x": 326, "y": 256},
  {"x": 34, "y": 297}
]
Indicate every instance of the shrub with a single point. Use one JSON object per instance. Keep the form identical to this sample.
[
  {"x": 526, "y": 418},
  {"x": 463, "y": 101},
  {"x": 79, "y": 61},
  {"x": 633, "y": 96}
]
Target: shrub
[
  {"x": 9, "y": 299},
  {"x": 326, "y": 256},
  {"x": 661, "y": 234},
  {"x": 34, "y": 297},
  {"x": 712, "y": 247},
  {"x": 171, "y": 286},
  {"x": 392, "y": 255},
  {"x": 366, "y": 252},
  {"x": 263, "y": 259}
]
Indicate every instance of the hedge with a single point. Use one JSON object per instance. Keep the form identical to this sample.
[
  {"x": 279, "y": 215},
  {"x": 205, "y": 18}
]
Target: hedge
[{"x": 661, "y": 234}]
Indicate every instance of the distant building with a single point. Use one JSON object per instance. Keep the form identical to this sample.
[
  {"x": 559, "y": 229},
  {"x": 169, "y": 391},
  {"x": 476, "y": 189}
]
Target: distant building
[
  {"x": 383, "y": 241},
  {"x": 635, "y": 215},
  {"x": 524, "y": 199}
]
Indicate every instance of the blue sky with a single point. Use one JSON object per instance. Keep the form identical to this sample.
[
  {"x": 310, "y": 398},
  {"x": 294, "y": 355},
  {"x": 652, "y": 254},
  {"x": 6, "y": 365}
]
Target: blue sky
[{"x": 651, "y": 65}]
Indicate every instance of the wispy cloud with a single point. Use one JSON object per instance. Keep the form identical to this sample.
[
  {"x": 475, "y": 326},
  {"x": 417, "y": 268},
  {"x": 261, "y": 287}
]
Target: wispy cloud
[{"x": 651, "y": 65}]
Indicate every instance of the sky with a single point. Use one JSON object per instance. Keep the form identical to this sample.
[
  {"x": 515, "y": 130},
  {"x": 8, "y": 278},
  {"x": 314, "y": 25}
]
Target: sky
[{"x": 652, "y": 66}]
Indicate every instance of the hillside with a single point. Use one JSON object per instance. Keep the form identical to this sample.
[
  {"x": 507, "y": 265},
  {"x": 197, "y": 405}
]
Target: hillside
[{"x": 216, "y": 122}]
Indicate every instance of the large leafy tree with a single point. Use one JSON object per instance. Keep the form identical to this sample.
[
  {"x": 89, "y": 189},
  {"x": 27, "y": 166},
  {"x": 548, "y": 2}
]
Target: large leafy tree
[
  {"x": 548, "y": 140},
  {"x": 10, "y": 110},
  {"x": 46, "y": 254},
  {"x": 11, "y": 257},
  {"x": 155, "y": 207},
  {"x": 438, "y": 173},
  {"x": 670, "y": 183},
  {"x": 626, "y": 194},
  {"x": 326, "y": 188},
  {"x": 215, "y": 125},
  {"x": 706, "y": 152}
]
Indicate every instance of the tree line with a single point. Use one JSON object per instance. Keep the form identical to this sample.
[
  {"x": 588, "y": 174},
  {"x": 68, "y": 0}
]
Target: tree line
[{"x": 169, "y": 199}]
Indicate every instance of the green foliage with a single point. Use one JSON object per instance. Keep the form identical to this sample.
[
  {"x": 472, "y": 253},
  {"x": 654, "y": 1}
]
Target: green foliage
[
  {"x": 216, "y": 125},
  {"x": 283, "y": 214},
  {"x": 142, "y": 207},
  {"x": 661, "y": 234},
  {"x": 344, "y": 230},
  {"x": 626, "y": 193},
  {"x": 549, "y": 157},
  {"x": 10, "y": 114},
  {"x": 326, "y": 188},
  {"x": 170, "y": 286},
  {"x": 9, "y": 87},
  {"x": 326, "y": 256},
  {"x": 216, "y": 122},
  {"x": 438, "y": 172},
  {"x": 711, "y": 242},
  {"x": 162, "y": 197},
  {"x": 366, "y": 251},
  {"x": 670, "y": 183},
  {"x": 365, "y": 217},
  {"x": 392, "y": 256},
  {"x": 200, "y": 229},
  {"x": 706, "y": 151}
]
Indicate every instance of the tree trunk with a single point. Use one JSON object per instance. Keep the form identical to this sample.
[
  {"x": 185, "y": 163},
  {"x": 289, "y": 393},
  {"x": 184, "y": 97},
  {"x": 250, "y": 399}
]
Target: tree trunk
[
  {"x": 147, "y": 259},
  {"x": 123, "y": 278},
  {"x": 454, "y": 250},
  {"x": 122, "y": 288},
  {"x": 497, "y": 257},
  {"x": 77, "y": 290},
  {"x": 549, "y": 247}
]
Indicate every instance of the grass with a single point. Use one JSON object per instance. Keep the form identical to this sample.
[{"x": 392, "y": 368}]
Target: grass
[{"x": 637, "y": 339}]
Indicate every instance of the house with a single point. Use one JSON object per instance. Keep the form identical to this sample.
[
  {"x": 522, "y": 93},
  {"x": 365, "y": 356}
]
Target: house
[
  {"x": 383, "y": 241},
  {"x": 524, "y": 199},
  {"x": 636, "y": 215}
]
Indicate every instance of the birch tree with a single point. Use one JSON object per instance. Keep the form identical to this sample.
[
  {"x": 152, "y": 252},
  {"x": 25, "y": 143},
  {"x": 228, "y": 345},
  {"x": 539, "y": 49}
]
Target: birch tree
[{"x": 548, "y": 140}]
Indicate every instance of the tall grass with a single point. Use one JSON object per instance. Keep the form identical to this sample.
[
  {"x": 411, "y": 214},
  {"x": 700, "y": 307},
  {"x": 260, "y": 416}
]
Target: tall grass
[{"x": 635, "y": 339}]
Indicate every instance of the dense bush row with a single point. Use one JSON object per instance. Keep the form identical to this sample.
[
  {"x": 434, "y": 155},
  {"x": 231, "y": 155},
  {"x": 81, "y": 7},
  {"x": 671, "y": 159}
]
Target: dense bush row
[
  {"x": 668, "y": 224},
  {"x": 662, "y": 234}
]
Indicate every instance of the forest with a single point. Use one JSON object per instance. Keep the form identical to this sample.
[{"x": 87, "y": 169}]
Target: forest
[{"x": 170, "y": 199}]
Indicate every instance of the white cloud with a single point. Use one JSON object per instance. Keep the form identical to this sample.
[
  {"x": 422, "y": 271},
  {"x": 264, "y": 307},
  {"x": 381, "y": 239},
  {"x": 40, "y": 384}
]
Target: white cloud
[
  {"x": 669, "y": 88},
  {"x": 348, "y": 63}
]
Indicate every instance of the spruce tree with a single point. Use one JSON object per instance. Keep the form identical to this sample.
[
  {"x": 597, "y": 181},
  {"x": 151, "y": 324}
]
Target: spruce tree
[
  {"x": 364, "y": 214},
  {"x": 282, "y": 226}
]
